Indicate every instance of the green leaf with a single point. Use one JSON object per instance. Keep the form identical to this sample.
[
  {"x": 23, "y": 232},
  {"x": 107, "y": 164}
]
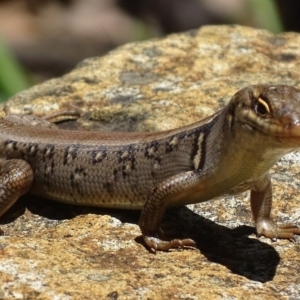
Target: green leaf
[
  {"x": 13, "y": 78},
  {"x": 266, "y": 15}
]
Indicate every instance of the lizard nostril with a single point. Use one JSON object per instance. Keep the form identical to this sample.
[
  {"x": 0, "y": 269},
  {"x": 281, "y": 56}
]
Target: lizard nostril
[{"x": 290, "y": 120}]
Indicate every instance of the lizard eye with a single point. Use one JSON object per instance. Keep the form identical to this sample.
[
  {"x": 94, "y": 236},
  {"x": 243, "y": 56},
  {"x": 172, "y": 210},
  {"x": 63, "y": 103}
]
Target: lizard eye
[{"x": 261, "y": 107}]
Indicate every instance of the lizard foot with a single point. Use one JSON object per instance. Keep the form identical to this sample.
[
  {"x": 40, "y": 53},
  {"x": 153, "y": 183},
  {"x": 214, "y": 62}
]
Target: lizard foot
[
  {"x": 155, "y": 243},
  {"x": 270, "y": 229}
]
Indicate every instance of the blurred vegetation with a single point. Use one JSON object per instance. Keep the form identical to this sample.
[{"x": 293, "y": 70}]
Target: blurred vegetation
[
  {"x": 13, "y": 78},
  {"x": 270, "y": 20}
]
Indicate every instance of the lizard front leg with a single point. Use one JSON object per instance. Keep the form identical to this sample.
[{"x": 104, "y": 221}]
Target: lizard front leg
[
  {"x": 16, "y": 177},
  {"x": 261, "y": 205},
  {"x": 154, "y": 209}
]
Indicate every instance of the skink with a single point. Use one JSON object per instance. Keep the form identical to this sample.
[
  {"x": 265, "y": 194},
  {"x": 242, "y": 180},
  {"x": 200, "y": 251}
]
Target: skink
[{"x": 226, "y": 153}]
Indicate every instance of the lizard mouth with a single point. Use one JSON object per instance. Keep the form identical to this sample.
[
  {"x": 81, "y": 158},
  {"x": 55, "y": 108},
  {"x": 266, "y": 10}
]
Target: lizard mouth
[
  {"x": 290, "y": 136},
  {"x": 283, "y": 131},
  {"x": 284, "y": 127}
]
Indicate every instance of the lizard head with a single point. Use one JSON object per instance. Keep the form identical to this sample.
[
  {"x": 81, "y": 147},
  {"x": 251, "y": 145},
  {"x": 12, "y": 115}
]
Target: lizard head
[{"x": 271, "y": 110}]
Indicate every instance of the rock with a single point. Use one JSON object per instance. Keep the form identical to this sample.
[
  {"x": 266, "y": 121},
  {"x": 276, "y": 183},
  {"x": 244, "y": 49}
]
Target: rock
[{"x": 58, "y": 251}]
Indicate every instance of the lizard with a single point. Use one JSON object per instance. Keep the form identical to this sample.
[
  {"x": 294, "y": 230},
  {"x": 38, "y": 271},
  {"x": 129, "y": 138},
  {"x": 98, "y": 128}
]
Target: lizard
[{"x": 224, "y": 154}]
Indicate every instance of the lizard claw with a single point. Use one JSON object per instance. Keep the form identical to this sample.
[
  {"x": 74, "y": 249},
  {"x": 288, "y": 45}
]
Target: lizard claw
[
  {"x": 155, "y": 243},
  {"x": 270, "y": 229}
]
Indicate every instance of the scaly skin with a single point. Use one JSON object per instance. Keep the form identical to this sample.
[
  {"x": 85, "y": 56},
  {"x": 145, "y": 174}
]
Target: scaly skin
[{"x": 226, "y": 153}]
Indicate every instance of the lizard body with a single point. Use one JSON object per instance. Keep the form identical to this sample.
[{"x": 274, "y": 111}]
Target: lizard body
[{"x": 226, "y": 153}]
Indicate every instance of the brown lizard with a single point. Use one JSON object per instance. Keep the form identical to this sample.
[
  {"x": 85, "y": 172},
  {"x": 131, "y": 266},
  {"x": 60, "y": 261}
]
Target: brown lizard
[{"x": 226, "y": 153}]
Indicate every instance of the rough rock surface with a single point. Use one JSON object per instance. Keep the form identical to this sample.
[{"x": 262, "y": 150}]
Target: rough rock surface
[{"x": 58, "y": 251}]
